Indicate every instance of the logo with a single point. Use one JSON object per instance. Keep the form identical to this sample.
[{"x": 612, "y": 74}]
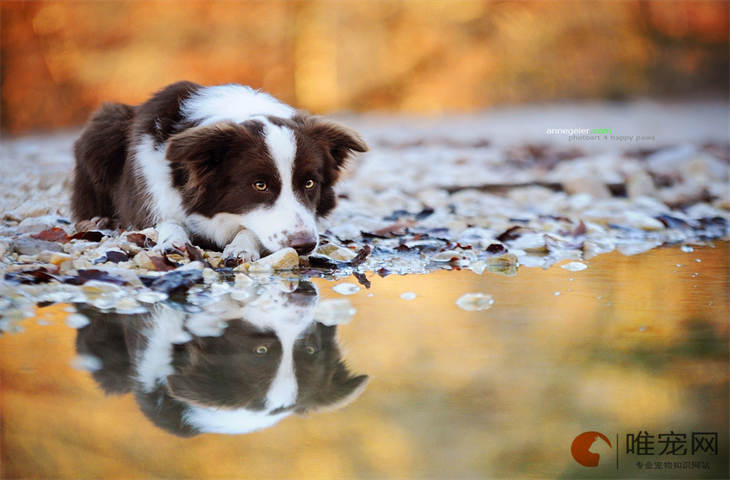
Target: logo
[{"x": 580, "y": 448}]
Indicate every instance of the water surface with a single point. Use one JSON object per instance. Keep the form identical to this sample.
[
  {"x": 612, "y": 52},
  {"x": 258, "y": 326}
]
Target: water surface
[{"x": 631, "y": 344}]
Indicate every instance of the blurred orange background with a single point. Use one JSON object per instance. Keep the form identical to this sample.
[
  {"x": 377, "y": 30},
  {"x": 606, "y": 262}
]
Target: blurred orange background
[{"x": 61, "y": 59}]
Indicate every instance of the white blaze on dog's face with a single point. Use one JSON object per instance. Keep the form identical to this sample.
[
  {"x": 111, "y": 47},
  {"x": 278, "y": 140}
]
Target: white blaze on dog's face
[
  {"x": 288, "y": 222},
  {"x": 289, "y": 316},
  {"x": 270, "y": 176}
]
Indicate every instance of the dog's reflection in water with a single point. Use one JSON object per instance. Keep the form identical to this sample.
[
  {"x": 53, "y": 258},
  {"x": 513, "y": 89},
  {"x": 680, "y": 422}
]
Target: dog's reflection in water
[{"x": 237, "y": 367}]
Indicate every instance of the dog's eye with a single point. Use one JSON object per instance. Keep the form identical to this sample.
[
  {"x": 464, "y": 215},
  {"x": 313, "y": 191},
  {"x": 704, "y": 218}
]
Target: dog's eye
[
  {"x": 261, "y": 350},
  {"x": 260, "y": 186},
  {"x": 309, "y": 184},
  {"x": 310, "y": 350}
]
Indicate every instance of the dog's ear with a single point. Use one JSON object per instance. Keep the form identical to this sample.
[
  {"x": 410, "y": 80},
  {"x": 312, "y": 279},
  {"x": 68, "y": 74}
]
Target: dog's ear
[
  {"x": 339, "y": 143},
  {"x": 165, "y": 411},
  {"x": 198, "y": 151},
  {"x": 337, "y": 140},
  {"x": 342, "y": 389}
]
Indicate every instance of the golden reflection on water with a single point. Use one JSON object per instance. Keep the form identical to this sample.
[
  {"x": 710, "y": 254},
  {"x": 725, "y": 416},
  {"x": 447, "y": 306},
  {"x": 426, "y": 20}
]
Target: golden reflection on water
[{"x": 631, "y": 343}]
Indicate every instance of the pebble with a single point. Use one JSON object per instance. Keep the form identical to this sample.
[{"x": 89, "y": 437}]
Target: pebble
[
  {"x": 346, "y": 288},
  {"x": 284, "y": 259},
  {"x": 335, "y": 252},
  {"x": 151, "y": 296},
  {"x": 475, "y": 301},
  {"x": 241, "y": 280},
  {"x": 77, "y": 320},
  {"x": 574, "y": 266},
  {"x": 128, "y": 305},
  {"x": 478, "y": 267},
  {"x": 90, "y": 363},
  {"x": 142, "y": 260},
  {"x": 210, "y": 275},
  {"x": 629, "y": 249},
  {"x": 596, "y": 246},
  {"x": 687, "y": 249},
  {"x": 34, "y": 246},
  {"x": 34, "y": 225},
  {"x": 334, "y": 311},
  {"x": 194, "y": 265},
  {"x": 446, "y": 256},
  {"x": 408, "y": 296}
]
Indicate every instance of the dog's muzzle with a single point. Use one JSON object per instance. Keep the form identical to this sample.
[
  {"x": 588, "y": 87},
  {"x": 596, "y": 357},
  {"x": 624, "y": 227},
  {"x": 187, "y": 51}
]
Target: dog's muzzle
[{"x": 302, "y": 242}]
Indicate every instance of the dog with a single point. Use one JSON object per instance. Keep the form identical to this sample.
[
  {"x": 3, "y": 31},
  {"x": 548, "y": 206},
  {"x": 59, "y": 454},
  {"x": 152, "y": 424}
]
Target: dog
[
  {"x": 227, "y": 165},
  {"x": 235, "y": 368}
]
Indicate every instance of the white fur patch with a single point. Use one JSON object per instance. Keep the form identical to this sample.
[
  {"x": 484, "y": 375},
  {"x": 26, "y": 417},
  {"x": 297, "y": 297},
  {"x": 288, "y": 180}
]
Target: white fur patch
[
  {"x": 170, "y": 234},
  {"x": 150, "y": 163},
  {"x": 213, "y": 420},
  {"x": 221, "y": 228},
  {"x": 282, "y": 147},
  {"x": 236, "y": 103},
  {"x": 284, "y": 387},
  {"x": 288, "y": 321},
  {"x": 245, "y": 246},
  {"x": 155, "y": 363}
]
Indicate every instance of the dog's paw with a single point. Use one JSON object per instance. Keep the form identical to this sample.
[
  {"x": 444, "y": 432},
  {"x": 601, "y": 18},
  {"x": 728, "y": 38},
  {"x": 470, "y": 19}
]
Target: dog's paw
[
  {"x": 171, "y": 238},
  {"x": 234, "y": 255},
  {"x": 243, "y": 248}
]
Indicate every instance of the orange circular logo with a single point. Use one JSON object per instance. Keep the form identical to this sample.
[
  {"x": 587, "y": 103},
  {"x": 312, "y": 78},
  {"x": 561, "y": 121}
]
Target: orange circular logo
[{"x": 580, "y": 448}]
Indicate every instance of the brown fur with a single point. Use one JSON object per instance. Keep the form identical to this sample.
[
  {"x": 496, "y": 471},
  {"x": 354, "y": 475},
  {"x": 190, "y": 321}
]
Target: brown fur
[
  {"x": 101, "y": 154},
  {"x": 105, "y": 184}
]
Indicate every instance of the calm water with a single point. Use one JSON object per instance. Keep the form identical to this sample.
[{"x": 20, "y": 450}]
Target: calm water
[{"x": 632, "y": 348}]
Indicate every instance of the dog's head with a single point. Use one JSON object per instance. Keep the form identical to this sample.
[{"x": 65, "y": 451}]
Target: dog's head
[{"x": 271, "y": 175}]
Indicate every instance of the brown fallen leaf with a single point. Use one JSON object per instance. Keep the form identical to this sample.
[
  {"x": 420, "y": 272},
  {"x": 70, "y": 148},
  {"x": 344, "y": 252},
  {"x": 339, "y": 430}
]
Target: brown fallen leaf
[
  {"x": 580, "y": 229},
  {"x": 141, "y": 240},
  {"x": 38, "y": 275},
  {"x": 54, "y": 234},
  {"x": 512, "y": 233},
  {"x": 496, "y": 248},
  {"x": 116, "y": 256},
  {"x": 362, "y": 279},
  {"x": 90, "y": 236},
  {"x": 361, "y": 256},
  {"x": 194, "y": 253},
  {"x": 84, "y": 276},
  {"x": 162, "y": 263}
]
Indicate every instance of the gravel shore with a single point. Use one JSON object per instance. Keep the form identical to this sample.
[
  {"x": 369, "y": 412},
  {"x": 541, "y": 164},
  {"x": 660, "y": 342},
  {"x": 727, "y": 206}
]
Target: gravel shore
[{"x": 488, "y": 192}]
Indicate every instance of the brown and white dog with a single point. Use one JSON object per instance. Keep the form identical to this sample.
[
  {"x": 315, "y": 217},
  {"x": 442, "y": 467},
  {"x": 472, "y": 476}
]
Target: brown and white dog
[{"x": 229, "y": 166}]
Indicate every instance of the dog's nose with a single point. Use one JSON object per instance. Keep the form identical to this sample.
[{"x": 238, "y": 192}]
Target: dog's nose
[{"x": 302, "y": 242}]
